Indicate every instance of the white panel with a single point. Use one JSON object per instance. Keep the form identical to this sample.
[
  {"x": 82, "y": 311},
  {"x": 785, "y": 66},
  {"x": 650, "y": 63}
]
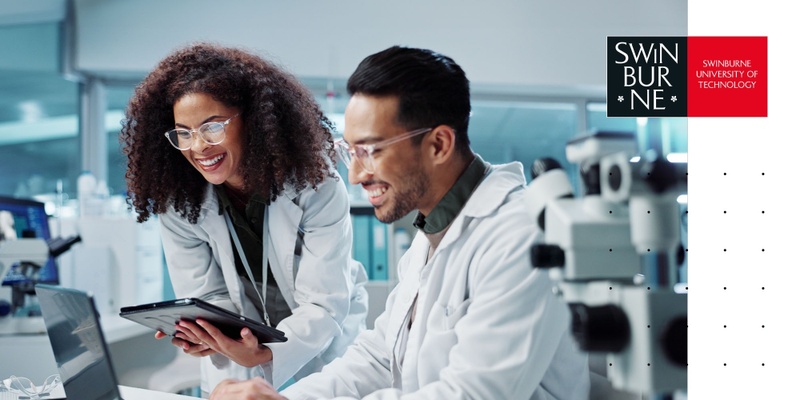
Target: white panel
[{"x": 743, "y": 221}]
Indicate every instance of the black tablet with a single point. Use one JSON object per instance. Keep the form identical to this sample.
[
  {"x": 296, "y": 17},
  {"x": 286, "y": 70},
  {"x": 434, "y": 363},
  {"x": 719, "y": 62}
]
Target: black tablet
[{"x": 164, "y": 315}]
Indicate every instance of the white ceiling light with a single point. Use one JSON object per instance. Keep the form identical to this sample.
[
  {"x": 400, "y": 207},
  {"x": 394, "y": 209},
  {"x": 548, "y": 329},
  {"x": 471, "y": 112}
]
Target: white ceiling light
[{"x": 51, "y": 128}]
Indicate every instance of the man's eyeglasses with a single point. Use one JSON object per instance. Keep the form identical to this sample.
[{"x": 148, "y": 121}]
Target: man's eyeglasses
[
  {"x": 211, "y": 132},
  {"x": 363, "y": 152}
]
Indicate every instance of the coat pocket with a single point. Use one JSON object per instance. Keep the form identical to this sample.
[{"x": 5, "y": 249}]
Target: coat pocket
[
  {"x": 440, "y": 338},
  {"x": 453, "y": 314}
]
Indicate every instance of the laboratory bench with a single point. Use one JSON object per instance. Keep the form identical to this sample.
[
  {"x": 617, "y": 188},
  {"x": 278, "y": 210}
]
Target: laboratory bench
[{"x": 139, "y": 360}]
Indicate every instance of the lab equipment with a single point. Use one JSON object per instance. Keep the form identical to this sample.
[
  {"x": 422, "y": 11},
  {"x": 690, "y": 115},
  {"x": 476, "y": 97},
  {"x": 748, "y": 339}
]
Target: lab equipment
[
  {"x": 613, "y": 253},
  {"x": 23, "y": 388},
  {"x": 28, "y": 255},
  {"x": 87, "y": 184},
  {"x": 25, "y": 218}
]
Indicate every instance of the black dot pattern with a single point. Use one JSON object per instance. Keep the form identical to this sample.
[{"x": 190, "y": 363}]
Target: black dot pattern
[{"x": 743, "y": 227}]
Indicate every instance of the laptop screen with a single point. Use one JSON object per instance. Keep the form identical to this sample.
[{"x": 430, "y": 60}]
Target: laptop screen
[{"x": 78, "y": 344}]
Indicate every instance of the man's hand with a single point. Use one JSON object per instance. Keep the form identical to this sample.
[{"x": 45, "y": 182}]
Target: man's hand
[{"x": 253, "y": 389}]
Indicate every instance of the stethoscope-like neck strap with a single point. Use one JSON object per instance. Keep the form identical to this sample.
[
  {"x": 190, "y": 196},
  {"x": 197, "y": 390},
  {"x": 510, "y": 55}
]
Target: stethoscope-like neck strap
[{"x": 263, "y": 294}]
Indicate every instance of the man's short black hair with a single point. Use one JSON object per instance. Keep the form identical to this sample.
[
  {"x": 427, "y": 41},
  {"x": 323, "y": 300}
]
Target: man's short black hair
[{"x": 431, "y": 88}]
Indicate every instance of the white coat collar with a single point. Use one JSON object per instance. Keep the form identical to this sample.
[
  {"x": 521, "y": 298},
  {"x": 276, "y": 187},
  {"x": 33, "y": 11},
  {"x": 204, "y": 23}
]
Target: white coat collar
[
  {"x": 501, "y": 180},
  {"x": 488, "y": 196}
]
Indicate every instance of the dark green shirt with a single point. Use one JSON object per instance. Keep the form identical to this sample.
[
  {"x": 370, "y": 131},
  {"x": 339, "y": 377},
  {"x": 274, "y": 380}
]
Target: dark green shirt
[
  {"x": 453, "y": 201},
  {"x": 250, "y": 229}
]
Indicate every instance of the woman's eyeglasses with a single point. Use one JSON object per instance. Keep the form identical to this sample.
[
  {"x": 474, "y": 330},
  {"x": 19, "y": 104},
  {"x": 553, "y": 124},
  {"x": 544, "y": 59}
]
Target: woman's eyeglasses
[{"x": 211, "y": 132}]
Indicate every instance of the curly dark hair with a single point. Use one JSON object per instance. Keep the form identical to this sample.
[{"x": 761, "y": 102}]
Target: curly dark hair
[{"x": 287, "y": 140}]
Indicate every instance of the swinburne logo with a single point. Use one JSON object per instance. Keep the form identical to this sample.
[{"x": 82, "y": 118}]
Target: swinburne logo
[{"x": 646, "y": 76}]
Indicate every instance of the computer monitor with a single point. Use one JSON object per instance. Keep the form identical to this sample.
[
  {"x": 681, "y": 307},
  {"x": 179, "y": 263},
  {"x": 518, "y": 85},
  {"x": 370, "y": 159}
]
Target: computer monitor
[{"x": 25, "y": 218}]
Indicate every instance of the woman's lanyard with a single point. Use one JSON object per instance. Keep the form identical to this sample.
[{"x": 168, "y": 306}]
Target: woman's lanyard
[{"x": 265, "y": 260}]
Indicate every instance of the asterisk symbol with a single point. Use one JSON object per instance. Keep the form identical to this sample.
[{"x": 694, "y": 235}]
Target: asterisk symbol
[
  {"x": 674, "y": 99},
  {"x": 620, "y": 99}
]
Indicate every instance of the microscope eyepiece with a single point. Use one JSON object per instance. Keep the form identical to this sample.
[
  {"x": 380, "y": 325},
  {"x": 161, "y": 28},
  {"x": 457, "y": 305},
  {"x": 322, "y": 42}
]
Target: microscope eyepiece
[
  {"x": 542, "y": 165},
  {"x": 60, "y": 245}
]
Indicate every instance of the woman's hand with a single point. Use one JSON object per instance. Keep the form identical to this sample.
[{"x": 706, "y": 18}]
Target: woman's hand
[
  {"x": 252, "y": 389},
  {"x": 193, "y": 348},
  {"x": 247, "y": 351}
]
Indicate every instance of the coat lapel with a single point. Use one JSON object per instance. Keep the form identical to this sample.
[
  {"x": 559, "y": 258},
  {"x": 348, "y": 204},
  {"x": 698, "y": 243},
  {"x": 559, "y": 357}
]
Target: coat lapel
[
  {"x": 220, "y": 242},
  {"x": 284, "y": 226}
]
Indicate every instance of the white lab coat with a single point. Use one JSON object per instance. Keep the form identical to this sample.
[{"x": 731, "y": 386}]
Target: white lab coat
[
  {"x": 487, "y": 324},
  {"x": 322, "y": 285}
]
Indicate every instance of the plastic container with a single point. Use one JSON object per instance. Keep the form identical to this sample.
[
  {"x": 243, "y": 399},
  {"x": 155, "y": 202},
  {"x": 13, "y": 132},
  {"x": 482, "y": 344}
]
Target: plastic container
[
  {"x": 87, "y": 184},
  {"x": 101, "y": 199}
]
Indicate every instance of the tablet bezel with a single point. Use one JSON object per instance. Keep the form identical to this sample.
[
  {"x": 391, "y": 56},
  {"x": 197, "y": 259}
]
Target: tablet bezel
[{"x": 163, "y": 316}]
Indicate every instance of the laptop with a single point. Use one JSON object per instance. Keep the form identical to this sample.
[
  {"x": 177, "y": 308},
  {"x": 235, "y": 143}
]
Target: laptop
[{"x": 79, "y": 346}]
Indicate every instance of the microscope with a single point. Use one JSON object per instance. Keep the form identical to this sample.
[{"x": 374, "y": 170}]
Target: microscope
[
  {"x": 29, "y": 255},
  {"x": 614, "y": 255}
]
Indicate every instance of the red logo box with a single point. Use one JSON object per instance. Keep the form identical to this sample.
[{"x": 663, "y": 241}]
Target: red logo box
[{"x": 727, "y": 76}]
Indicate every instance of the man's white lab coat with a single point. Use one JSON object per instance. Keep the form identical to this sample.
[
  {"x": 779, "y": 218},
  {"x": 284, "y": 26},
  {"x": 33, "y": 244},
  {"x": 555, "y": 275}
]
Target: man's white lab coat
[{"x": 487, "y": 325}]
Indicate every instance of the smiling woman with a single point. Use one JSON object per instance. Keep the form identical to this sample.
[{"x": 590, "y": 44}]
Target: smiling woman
[
  {"x": 235, "y": 157},
  {"x": 216, "y": 149}
]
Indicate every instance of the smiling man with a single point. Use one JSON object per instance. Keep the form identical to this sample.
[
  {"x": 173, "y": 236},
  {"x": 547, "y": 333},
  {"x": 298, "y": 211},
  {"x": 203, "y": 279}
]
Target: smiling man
[{"x": 469, "y": 318}]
